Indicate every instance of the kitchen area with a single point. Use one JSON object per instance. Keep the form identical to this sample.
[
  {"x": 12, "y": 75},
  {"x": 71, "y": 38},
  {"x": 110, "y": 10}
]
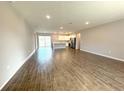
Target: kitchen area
[{"x": 59, "y": 40}]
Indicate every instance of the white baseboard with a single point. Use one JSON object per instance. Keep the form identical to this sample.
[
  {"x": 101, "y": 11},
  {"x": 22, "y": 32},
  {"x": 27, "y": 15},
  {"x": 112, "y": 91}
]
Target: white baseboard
[
  {"x": 103, "y": 55},
  {"x": 17, "y": 69}
]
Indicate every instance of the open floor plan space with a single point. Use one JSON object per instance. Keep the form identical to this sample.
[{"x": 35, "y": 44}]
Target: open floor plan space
[
  {"x": 68, "y": 69},
  {"x": 61, "y": 46}
]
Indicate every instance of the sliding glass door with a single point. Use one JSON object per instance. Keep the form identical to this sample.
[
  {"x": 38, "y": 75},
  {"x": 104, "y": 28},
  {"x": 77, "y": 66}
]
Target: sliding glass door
[{"x": 44, "y": 41}]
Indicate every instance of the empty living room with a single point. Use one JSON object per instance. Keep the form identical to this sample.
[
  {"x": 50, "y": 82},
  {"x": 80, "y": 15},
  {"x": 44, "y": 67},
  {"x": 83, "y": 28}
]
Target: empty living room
[{"x": 62, "y": 46}]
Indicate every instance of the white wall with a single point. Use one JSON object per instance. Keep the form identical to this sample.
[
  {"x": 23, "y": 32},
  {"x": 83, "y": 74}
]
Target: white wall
[
  {"x": 107, "y": 39},
  {"x": 78, "y": 41},
  {"x": 16, "y": 42}
]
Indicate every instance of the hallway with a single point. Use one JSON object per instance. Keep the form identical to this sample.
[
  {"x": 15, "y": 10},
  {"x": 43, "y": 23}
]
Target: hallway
[{"x": 68, "y": 69}]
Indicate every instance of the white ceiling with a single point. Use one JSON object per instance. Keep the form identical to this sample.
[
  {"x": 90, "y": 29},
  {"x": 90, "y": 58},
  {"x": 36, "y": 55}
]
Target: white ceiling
[{"x": 62, "y": 13}]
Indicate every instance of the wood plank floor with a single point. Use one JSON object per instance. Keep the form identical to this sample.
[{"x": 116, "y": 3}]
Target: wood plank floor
[{"x": 68, "y": 69}]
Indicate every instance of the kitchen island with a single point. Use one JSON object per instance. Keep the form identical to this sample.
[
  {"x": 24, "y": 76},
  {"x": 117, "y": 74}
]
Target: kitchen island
[{"x": 60, "y": 45}]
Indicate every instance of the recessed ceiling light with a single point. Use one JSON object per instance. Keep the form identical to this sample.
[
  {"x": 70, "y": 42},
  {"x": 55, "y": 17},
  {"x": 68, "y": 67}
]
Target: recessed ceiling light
[
  {"x": 61, "y": 27},
  {"x": 48, "y": 16},
  {"x": 87, "y": 23}
]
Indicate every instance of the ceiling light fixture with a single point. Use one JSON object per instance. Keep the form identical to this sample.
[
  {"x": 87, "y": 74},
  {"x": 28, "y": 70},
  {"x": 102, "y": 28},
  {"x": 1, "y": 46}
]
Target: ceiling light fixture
[
  {"x": 61, "y": 27},
  {"x": 87, "y": 23},
  {"x": 48, "y": 16}
]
